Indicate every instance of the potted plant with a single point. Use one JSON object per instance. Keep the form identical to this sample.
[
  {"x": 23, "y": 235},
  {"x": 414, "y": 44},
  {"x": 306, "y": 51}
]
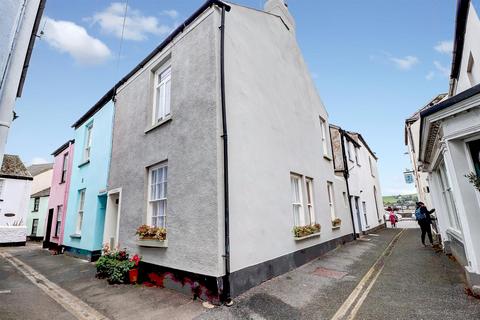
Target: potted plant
[
  {"x": 113, "y": 265},
  {"x": 304, "y": 231},
  {"x": 133, "y": 272},
  {"x": 150, "y": 236},
  {"x": 474, "y": 179},
  {"x": 336, "y": 222}
]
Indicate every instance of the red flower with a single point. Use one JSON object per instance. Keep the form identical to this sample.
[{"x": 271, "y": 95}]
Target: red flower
[{"x": 135, "y": 259}]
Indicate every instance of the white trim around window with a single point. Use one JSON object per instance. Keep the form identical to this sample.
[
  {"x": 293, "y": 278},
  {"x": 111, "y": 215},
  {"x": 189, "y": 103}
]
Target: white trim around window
[
  {"x": 310, "y": 205},
  {"x": 324, "y": 137},
  {"x": 87, "y": 149},
  {"x": 80, "y": 211},
  {"x": 157, "y": 195},
  {"x": 161, "y": 93},
  {"x": 331, "y": 200},
  {"x": 297, "y": 200}
]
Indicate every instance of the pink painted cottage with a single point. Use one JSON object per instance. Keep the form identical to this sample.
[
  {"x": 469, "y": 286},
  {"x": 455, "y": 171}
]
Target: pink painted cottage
[{"x": 57, "y": 204}]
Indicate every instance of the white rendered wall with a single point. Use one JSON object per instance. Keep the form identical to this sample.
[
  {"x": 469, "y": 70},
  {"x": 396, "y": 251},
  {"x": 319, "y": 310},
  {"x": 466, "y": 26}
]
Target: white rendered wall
[
  {"x": 15, "y": 195},
  {"x": 273, "y": 112}
]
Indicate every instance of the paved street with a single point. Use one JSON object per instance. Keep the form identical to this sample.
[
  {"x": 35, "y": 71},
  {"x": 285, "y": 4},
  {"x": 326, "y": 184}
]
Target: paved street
[{"x": 407, "y": 282}]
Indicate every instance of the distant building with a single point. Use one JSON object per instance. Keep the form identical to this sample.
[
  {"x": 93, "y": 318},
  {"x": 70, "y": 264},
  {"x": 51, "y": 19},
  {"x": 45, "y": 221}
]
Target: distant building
[
  {"x": 357, "y": 164},
  {"x": 19, "y": 24},
  {"x": 15, "y": 185},
  {"x": 449, "y": 148},
  {"x": 36, "y": 219},
  {"x": 57, "y": 203}
]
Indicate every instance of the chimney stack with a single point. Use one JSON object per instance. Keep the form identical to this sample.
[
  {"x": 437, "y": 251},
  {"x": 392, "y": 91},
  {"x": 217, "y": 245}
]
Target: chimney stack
[{"x": 279, "y": 8}]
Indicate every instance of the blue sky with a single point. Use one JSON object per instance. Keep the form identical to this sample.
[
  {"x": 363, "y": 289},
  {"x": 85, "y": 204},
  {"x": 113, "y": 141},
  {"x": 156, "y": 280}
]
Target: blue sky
[{"x": 374, "y": 63}]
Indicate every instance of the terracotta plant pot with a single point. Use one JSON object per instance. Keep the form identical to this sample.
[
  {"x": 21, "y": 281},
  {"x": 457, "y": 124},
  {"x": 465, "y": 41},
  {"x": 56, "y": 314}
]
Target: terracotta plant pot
[{"x": 133, "y": 275}]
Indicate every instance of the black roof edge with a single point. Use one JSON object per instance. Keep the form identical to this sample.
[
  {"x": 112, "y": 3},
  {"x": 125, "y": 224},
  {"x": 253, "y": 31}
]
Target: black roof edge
[
  {"x": 451, "y": 101},
  {"x": 6, "y": 176},
  {"x": 41, "y": 7},
  {"x": 111, "y": 93},
  {"x": 460, "y": 27},
  {"x": 62, "y": 147}
]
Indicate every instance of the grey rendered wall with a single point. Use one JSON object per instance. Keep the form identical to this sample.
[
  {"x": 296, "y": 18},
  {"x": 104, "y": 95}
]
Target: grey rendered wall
[
  {"x": 190, "y": 144},
  {"x": 273, "y": 114}
]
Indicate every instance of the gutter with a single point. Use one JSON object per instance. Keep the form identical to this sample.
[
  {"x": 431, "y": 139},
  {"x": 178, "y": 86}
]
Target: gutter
[
  {"x": 111, "y": 93},
  {"x": 226, "y": 279},
  {"x": 346, "y": 175}
]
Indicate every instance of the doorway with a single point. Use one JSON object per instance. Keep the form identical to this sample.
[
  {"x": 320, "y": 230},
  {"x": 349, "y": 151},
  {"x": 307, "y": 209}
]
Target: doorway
[
  {"x": 48, "y": 230},
  {"x": 112, "y": 218}
]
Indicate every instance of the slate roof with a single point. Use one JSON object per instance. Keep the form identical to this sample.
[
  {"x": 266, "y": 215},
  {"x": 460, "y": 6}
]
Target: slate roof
[
  {"x": 13, "y": 167},
  {"x": 42, "y": 193},
  {"x": 36, "y": 169}
]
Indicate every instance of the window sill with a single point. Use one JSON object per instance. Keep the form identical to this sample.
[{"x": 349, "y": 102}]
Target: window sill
[
  {"x": 158, "y": 124},
  {"x": 76, "y": 236},
  {"x": 84, "y": 163},
  {"x": 328, "y": 157},
  {"x": 335, "y": 227},
  {"x": 307, "y": 237},
  {"x": 152, "y": 243}
]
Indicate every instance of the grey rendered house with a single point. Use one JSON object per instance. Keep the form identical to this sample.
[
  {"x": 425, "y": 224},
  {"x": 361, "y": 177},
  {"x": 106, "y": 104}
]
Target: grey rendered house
[{"x": 221, "y": 138}]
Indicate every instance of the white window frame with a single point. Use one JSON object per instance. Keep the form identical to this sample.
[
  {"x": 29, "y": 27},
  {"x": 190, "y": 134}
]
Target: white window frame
[
  {"x": 310, "y": 200},
  {"x": 357, "y": 157},
  {"x": 372, "y": 171},
  {"x": 297, "y": 200},
  {"x": 59, "y": 219},
  {"x": 345, "y": 199},
  {"x": 331, "y": 200},
  {"x": 151, "y": 201},
  {"x": 87, "y": 149},
  {"x": 80, "y": 211},
  {"x": 324, "y": 136},
  {"x": 364, "y": 208},
  {"x": 63, "y": 176},
  {"x": 349, "y": 150},
  {"x": 162, "y": 78}
]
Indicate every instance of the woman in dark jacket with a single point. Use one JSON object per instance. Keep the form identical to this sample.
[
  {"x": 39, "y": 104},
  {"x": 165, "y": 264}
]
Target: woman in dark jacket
[{"x": 426, "y": 222}]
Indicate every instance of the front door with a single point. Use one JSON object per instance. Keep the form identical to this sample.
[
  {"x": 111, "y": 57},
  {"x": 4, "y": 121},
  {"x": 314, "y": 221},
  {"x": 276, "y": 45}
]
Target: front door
[
  {"x": 46, "y": 241},
  {"x": 110, "y": 233}
]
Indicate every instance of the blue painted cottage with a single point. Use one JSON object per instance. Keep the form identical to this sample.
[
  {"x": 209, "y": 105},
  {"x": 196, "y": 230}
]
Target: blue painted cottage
[{"x": 87, "y": 198}]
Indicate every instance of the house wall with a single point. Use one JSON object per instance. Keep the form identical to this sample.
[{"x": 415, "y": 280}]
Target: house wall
[
  {"x": 361, "y": 182},
  {"x": 273, "y": 112},
  {"x": 15, "y": 195},
  {"x": 41, "y": 215},
  {"x": 16, "y": 25},
  {"x": 91, "y": 176},
  {"x": 59, "y": 191},
  {"x": 42, "y": 181},
  {"x": 189, "y": 141},
  {"x": 471, "y": 46}
]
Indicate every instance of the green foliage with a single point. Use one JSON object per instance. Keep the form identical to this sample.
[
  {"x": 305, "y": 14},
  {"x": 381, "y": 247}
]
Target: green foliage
[
  {"x": 114, "y": 265},
  {"x": 306, "y": 230},
  {"x": 400, "y": 200},
  {"x": 474, "y": 179}
]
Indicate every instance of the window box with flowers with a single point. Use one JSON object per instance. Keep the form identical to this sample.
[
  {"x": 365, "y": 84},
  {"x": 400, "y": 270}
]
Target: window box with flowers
[
  {"x": 305, "y": 232},
  {"x": 336, "y": 223},
  {"x": 149, "y": 236}
]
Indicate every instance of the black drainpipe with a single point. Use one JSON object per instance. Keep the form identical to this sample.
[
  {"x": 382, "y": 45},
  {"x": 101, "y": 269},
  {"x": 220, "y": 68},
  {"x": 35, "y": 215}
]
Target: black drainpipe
[
  {"x": 226, "y": 279},
  {"x": 346, "y": 175}
]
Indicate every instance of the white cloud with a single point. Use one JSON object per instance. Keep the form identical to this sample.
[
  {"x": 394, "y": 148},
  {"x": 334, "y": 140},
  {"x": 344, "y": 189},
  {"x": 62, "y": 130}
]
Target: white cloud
[
  {"x": 66, "y": 36},
  {"x": 430, "y": 75},
  {"x": 444, "y": 47},
  {"x": 38, "y": 160},
  {"x": 405, "y": 63},
  {"x": 171, "y": 13},
  {"x": 137, "y": 26},
  {"x": 443, "y": 70}
]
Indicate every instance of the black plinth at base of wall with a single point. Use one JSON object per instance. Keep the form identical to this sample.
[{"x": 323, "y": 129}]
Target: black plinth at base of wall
[
  {"x": 82, "y": 253},
  {"x": 13, "y": 244}
]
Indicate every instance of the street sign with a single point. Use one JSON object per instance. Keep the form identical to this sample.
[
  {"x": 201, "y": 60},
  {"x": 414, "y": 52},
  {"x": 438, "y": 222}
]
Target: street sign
[{"x": 408, "y": 177}]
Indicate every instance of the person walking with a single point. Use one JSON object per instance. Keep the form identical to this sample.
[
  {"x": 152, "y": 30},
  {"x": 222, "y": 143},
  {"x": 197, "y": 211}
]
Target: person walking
[
  {"x": 422, "y": 215},
  {"x": 392, "y": 217}
]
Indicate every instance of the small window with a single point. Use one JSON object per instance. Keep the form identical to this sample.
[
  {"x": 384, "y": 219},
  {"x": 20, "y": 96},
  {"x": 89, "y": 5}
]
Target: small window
[
  {"x": 81, "y": 205},
  {"x": 297, "y": 200},
  {"x": 36, "y": 204},
  {"x": 161, "y": 107},
  {"x": 364, "y": 205},
  {"x": 88, "y": 142},
  {"x": 349, "y": 150},
  {"x": 345, "y": 199},
  {"x": 324, "y": 136},
  {"x": 64, "y": 168},
  {"x": 2, "y": 187},
  {"x": 331, "y": 200},
  {"x": 310, "y": 207},
  {"x": 34, "y": 227},
  {"x": 470, "y": 68},
  {"x": 372, "y": 172},
  {"x": 59, "y": 220},
  {"x": 357, "y": 159},
  {"x": 157, "y": 196}
]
